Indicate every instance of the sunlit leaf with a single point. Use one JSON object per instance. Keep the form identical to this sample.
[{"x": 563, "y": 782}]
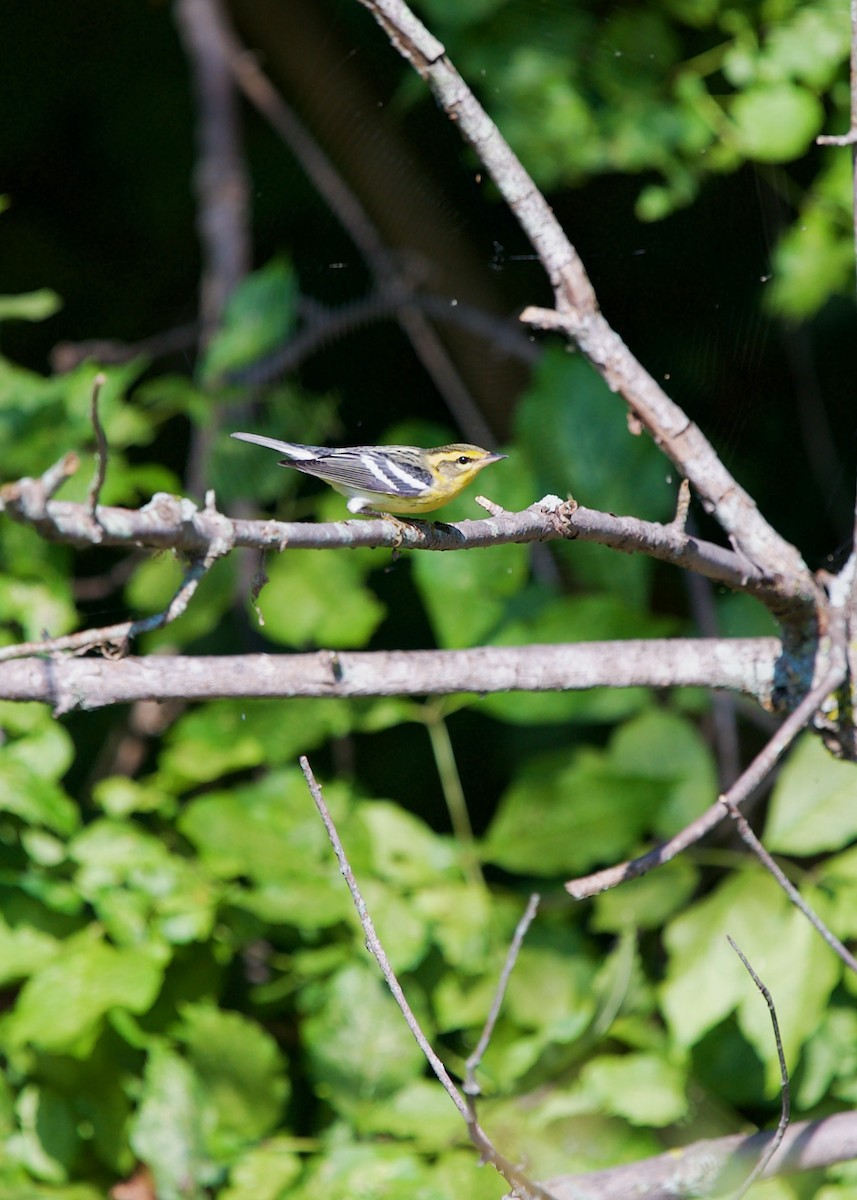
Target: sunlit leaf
[
  {"x": 812, "y": 807},
  {"x": 169, "y": 1130}
]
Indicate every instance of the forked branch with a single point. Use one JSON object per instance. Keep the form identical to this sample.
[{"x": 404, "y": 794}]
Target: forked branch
[{"x": 576, "y": 313}]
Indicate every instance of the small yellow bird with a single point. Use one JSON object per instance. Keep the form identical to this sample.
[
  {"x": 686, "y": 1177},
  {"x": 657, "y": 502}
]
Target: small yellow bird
[{"x": 386, "y": 479}]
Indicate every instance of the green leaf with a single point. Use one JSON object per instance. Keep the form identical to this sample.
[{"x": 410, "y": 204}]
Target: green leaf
[
  {"x": 568, "y": 813},
  {"x": 405, "y": 851},
  {"x": 814, "y": 259},
  {"x": 810, "y": 46},
  {"x": 461, "y": 918},
  {"x": 36, "y": 800},
  {"x": 169, "y": 1131},
  {"x": 660, "y": 745},
  {"x": 775, "y": 123},
  {"x": 241, "y": 1072},
  {"x": 259, "y": 316},
  {"x": 829, "y": 1057},
  {"x": 138, "y": 888},
  {"x": 30, "y": 306},
  {"x": 255, "y": 831},
  {"x": 812, "y": 807},
  {"x": 646, "y": 902},
  {"x": 576, "y": 436},
  {"x": 357, "y": 1044},
  {"x": 420, "y": 1112},
  {"x": 39, "y": 608},
  {"x": 251, "y": 830},
  {"x": 314, "y": 599},
  {"x": 48, "y": 1141},
  {"x": 403, "y": 929},
  {"x": 536, "y": 618},
  {"x": 266, "y": 1172},
  {"x": 706, "y": 981},
  {"x": 24, "y": 949},
  {"x": 551, "y": 990},
  {"x": 377, "y": 1171},
  {"x": 120, "y": 796},
  {"x": 642, "y": 1088},
  {"x": 232, "y": 735},
  {"x": 92, "y": 978},
  {"x": 466, "y": 595},
  {"x": 47, "y": 749}
]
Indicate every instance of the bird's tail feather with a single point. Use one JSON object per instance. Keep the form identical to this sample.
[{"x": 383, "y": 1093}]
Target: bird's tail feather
[{"x": 291, "y": 449}]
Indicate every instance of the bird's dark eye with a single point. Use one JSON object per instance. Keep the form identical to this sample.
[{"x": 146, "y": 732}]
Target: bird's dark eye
[{"x": 463, "y": 461}]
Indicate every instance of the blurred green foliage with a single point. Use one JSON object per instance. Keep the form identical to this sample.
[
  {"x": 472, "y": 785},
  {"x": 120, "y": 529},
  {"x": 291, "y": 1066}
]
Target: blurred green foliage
[
  {"x": 186, "y": 978},
  {"x": 185, "y": 984},
  {"x": 674, "y": 91}
]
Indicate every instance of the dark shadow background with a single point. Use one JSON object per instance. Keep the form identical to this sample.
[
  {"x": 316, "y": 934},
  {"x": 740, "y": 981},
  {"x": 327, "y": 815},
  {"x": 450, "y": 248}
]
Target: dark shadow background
[{"x": 96, "y": 157}]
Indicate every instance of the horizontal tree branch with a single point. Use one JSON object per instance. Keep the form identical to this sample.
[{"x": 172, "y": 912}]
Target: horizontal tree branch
[
  {"x": 172, "y": 522},
  {"x": 577, "y": 313},
  {"x": 745, "y": 665},
  {"x": 718, "y": 1164}
]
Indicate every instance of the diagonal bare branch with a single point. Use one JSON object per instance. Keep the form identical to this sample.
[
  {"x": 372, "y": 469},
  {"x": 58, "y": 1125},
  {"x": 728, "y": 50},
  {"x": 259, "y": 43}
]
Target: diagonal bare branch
[
  {"x": 741, "y": 790},
  {"x": 577, "y": 313},
  {"x": 524, "y": 1188},
  {"x": 785, "y": 1108}
]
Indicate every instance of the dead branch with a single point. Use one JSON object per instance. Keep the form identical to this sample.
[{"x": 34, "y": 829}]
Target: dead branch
[
  {"x": 512, "y": 1174},
  {"x": 749, "y": 838},
  {"x": 700, "y": 1168},
  {"x": 471, "y": 1086},
  {"x": 174, "y": 523},
  {"x": 222, "y": 184},
  {"x": 785, "y": 1108},
  {"x": 741, "y": 790},
  {"x": 577, "y": 314},
  {"x": 222, "y": 190},
  {"x": 102, "y": 450},
  {"x": 747, "y": 665}
]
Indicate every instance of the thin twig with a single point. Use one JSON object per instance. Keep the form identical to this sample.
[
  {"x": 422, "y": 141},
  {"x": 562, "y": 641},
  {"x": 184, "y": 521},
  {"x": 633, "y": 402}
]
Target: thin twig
[
  {"x": 837, "y": 139},
  {"x": 50, "y": 482},
  {"x": 65, "y": 356},
  {"x": 326, "y": 325},
  {"x": 741, "y": 790},
  {"x": 113, "y": 640},
  {"x": 785, "y": 1092},
  {"x": 749, "y": 838},
  {"x": 101, "y": 448},
  {"x": 524, "y": 1187},
  {"x": 471, "y": 1085}
]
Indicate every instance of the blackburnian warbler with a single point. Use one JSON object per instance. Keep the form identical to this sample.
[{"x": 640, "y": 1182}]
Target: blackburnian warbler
[{"x": 386, "y": 479}]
